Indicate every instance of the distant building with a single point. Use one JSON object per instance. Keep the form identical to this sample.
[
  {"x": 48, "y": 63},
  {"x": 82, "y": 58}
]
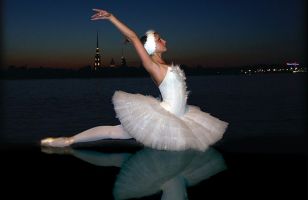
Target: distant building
[
  {"x": 123, "y": 61},
  {"x": 97, "y": 58},
  {"x": 112, "y": 63}
]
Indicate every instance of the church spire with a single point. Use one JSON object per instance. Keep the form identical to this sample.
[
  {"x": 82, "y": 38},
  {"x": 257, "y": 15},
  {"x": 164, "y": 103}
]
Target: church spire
[
  {"x": 123, "y": 60},
  {"x": 97, "y": 39},
  {"x": 97, "y": 58}
]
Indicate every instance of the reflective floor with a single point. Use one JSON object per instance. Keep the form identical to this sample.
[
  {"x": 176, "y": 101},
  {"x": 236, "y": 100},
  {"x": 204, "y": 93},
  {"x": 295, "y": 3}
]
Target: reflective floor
[{"x": 125, "y": 170}]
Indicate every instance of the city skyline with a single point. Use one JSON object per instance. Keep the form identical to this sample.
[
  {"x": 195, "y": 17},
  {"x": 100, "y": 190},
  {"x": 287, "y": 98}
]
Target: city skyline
[{"x": 207, "y": 33}]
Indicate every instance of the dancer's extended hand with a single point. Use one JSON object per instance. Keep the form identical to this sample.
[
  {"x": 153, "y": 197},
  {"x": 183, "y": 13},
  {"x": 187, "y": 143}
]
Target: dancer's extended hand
[{"x": 100, "y": 14}]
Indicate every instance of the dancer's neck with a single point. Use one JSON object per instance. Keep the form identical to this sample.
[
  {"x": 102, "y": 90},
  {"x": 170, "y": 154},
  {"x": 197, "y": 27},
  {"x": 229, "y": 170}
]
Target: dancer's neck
[{"x": 157, "y": 57}]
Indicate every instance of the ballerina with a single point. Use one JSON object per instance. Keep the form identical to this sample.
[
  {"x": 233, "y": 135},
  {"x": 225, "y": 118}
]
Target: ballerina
[{"x": 169, "y": 124}]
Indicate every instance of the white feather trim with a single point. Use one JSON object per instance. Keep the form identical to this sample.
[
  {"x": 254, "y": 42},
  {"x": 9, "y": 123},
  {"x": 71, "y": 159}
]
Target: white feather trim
[{"x": 150, "y": 45}]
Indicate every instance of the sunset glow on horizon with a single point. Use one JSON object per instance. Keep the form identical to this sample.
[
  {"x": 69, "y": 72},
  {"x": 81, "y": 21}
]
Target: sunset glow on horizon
[{"x": 198, "y": 33}]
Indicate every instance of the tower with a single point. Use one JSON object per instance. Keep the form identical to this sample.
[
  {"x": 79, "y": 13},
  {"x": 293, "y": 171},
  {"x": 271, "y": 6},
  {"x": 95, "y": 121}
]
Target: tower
[
  {"x": 112, "y": 63},
  {"x": 123, "y": 60},
  {"x": 97, "y": 58}
]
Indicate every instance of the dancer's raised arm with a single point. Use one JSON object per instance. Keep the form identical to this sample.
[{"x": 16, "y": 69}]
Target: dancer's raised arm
[{"x": 147, "y": 62}]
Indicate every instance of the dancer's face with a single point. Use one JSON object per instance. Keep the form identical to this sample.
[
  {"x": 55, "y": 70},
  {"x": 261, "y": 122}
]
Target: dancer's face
[{"x": 160, "y": 44}]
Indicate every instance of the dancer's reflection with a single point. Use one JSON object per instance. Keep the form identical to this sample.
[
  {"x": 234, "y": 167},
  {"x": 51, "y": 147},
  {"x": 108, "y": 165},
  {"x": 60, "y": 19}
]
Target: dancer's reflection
[{"x": 150, "y": 171}]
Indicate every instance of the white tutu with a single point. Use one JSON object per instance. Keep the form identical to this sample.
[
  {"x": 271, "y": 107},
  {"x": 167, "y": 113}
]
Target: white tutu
[
  {"x": 168, "y": 124},
  {"x": 149, "y": 123}
]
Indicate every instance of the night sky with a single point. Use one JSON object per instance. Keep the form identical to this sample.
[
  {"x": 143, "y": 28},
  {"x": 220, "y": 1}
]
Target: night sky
[{"x": 211, "y": 33}]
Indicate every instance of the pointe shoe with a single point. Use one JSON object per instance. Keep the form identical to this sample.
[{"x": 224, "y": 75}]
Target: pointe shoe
[{"x": 57, "y": 142}]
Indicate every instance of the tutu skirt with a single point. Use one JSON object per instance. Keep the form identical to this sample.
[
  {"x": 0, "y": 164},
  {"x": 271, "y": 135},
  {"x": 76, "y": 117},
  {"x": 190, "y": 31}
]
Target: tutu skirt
[{"x": 145, "y": 119}]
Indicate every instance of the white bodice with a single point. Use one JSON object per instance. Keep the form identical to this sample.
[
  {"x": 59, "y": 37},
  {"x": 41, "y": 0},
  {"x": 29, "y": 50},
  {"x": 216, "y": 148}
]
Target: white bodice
[{"x": 173, "y": 91}]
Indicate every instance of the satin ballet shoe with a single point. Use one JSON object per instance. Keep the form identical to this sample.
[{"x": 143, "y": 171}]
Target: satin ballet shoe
[{"x": 57, "y": 142}]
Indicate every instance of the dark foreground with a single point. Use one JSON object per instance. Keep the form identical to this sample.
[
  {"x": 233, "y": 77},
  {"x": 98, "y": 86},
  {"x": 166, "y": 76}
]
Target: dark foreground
[
  {"x": 255, "y": 168},
  {"x": 262, "y": 155}
]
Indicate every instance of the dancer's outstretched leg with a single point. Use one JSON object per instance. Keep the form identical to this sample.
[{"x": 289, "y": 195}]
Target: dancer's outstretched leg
[{"x": 93, "y": 134}]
